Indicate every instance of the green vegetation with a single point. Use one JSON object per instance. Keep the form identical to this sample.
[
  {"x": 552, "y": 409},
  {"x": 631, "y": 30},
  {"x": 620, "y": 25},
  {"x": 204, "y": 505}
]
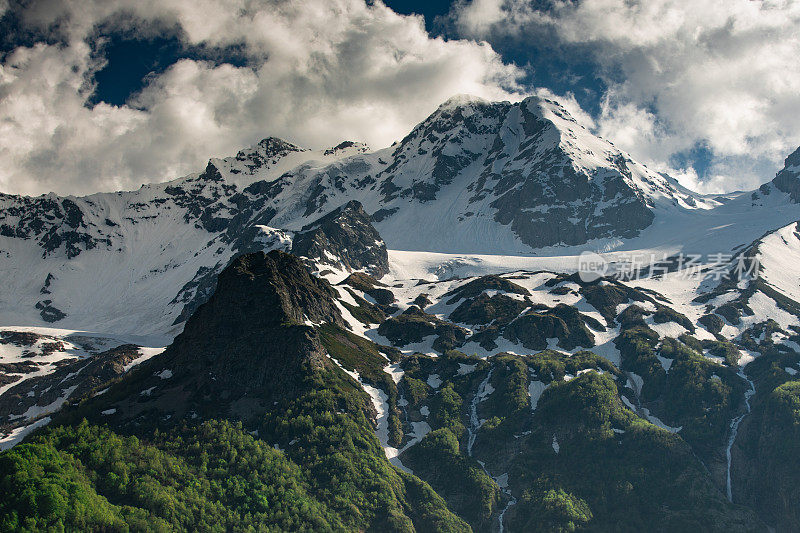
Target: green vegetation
[
  {"x": 726, "y": 350},
  {"x": 550, "y": 365},
  {"x": 364, "y": 312},
  {"x": 765, "y": 468},
  {"x": 217, "y": 477},
  {"x": 213, "y": 477},
  {"x": 638, "y": 348},
  {"x": 767, "y": 479},
  {"x": 446, "y": 408},
  {"x": 698, "y": 395},
  {"x": 562, "y": 322},
  {"x": 613, "y": 470},
  {"x": 296, "y": 449},
  {"x": 554, "y": 509},
  {"x": 484, "y": 309},
  {"x": 468, "y": 490},
  {"x": 326, "y": 433},
  {"x": 509, "y": 404},
  {"x": 606, "y": 297},
  {"x": 414, "y": 324},
  {"x": 666, "y": 314},
  {"x": 360, "y": 355}
]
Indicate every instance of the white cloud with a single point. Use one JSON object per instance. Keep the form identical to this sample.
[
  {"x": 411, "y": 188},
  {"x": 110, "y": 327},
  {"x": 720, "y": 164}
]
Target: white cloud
[
  {"x": 570, "y": 103},
  {"x": 320, "y": 72},
  {"x": 680, "y": 72}
]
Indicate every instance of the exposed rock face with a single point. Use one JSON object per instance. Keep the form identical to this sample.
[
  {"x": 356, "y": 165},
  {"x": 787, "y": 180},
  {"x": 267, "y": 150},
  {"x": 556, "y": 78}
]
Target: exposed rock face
[
  {"x": 371, "y": 287},
  {"x": 788, "y": 179},
  {"x": 562, "y": 322},
  {"x": 48, "y": 312},
  {"x": 345, "y": 238},
  {"x": 713, "y": 323},
  {"x": 485, "y": 309},
  {"x": 257, "y": 354},
  {"x": 765, "y": 466},
  {"x": 267, "y": 152},
  {"x": 474, "y": 177},
  {"x": 414, "y": 324},
  {"x": 251, "y": 344},
  {"x": 77, "y": 376},
  {"x": 555, "y": 203},
  {"x": 52, "y": 221},
  {"x": 526, "y": 166},
  {"x": 252, "y": 329},
  {"x": 484, "y": 283}
]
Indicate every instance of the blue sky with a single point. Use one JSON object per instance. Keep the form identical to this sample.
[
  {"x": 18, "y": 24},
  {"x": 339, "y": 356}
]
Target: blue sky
[{"x": 110, "y": 94}]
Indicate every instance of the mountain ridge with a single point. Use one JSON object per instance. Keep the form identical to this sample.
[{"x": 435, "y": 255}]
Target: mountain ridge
[{"x": 470, "y": 174}]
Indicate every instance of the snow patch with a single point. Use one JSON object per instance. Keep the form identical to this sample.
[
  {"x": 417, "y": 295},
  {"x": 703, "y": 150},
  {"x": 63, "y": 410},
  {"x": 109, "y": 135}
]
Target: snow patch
[
  {"x": 535, "y": 390},
  {"x": 395, "y": 371},
  {"x": 665, "y": 363},
  {"x": 434, "y": 381},
  {"x": 15, "y": 437},
  {"x": 464, "y": 369}
]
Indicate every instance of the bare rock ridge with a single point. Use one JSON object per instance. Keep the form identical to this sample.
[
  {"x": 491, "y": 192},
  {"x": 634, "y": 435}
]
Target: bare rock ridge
[
  {"x": 253, "y": 343},
  {"x": 788, "y": 179},
  {"x": 250, "y": 332},
  {"x": 345, "y": 238}
]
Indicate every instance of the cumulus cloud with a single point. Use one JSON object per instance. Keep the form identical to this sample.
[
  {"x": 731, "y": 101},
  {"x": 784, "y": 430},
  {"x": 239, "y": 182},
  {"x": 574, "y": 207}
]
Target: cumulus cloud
[
  {"x": 680, "y": 73},
  {"x": 317, "y": 72}
]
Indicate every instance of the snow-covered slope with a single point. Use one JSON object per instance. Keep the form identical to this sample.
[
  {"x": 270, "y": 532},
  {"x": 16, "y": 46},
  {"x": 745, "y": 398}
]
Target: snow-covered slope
[
  {"x": 497, "y": 184},
  {"x": 121, "y": 262},
  {"x": 779, "y": 257}
]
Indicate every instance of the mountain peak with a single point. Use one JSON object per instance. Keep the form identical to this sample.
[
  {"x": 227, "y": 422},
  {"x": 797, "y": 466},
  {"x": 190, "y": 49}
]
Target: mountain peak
[
  {"x": 252, "y": 344},
  {"x": 461, "y": 100},
  {"x": 344, "y": 238},
  {"x": 347, "y": 148},
  {"x": 257, "y": 326},
  {"x": 788, "y": 179},
  {"x": 265, "y": 149},
  {"x": 793, "y": 160}
]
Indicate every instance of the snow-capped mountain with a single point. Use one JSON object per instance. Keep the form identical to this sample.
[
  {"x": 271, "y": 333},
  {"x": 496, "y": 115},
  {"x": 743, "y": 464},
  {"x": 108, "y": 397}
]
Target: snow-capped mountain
[
  {"x": 430, "y": 318},
  {"x": 522, "y": 179}
]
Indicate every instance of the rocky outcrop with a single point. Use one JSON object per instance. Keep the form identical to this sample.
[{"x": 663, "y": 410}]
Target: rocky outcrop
[
  {"x": 484, "y": 283},
  {"x": 712, "y": 322},
  {"x": 254, "y": 342},
  {"x": 370, "y": 287},
  {"x": 55, "y": 223},
  {"x": 256, "y": 328},
  {"x": 788, "y": 179},
  {"x": 562, "y": 322},
  {"x": 345, "y": 239},
  {"x": 74, "y": 379},
  {"x": 485, "y": 309},
  {"x": 413, "y": 325}
]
